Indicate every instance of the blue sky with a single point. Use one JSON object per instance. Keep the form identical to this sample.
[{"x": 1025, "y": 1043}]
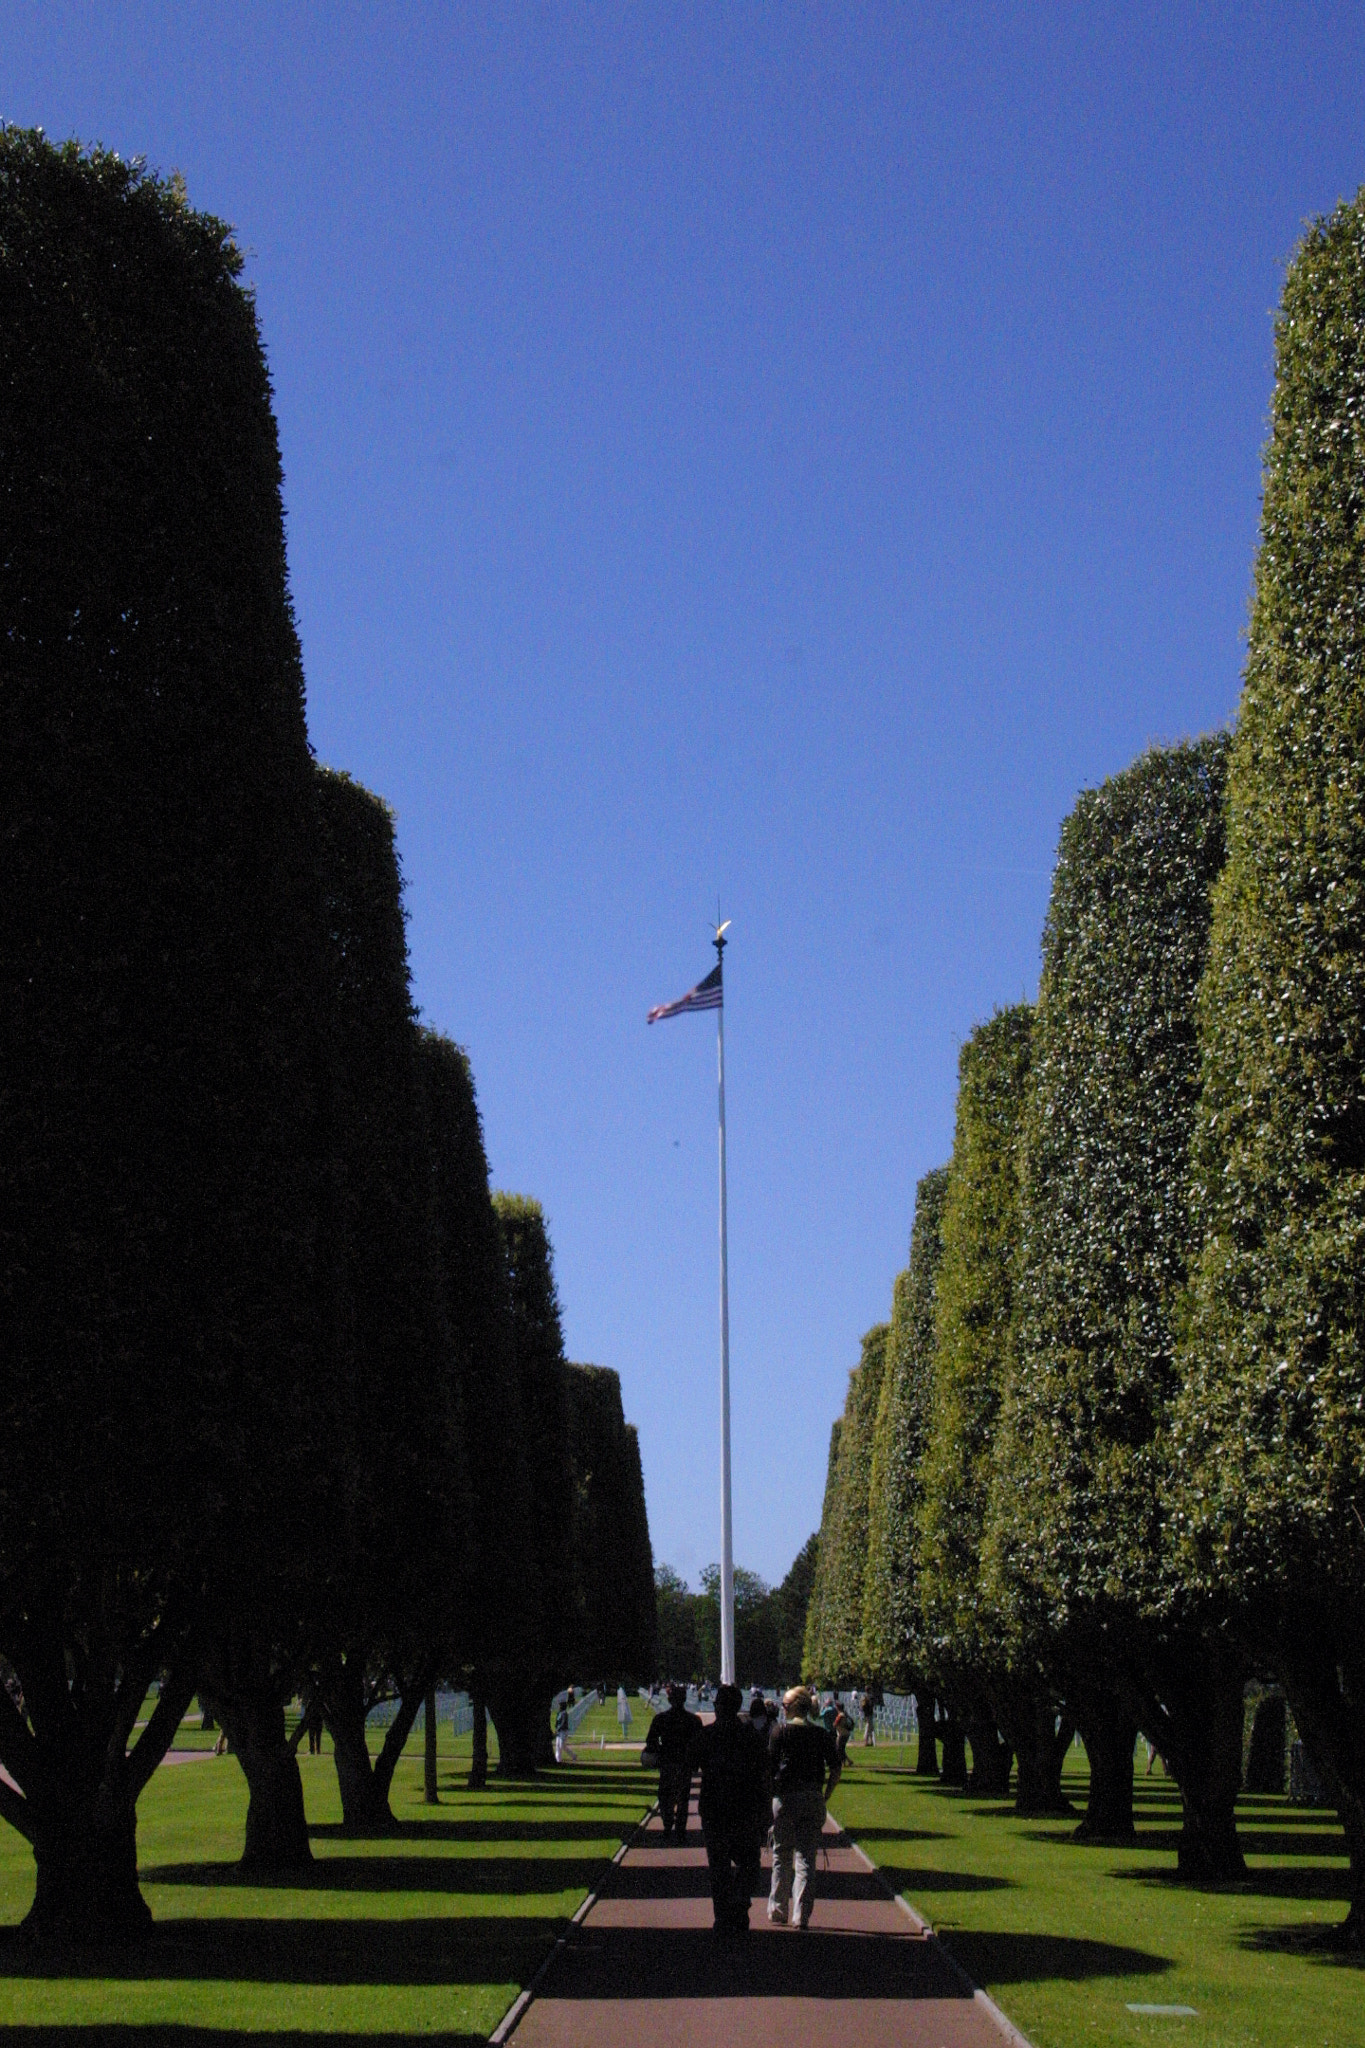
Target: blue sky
[{"x": 778, "y": 452}]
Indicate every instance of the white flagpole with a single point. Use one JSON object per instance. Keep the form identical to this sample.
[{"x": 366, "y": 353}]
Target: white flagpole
[{"x": 727, "y": 1561}]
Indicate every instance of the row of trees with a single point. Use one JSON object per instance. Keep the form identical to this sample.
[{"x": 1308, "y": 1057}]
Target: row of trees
[
  {"x": 285, "y": 1397},
  {"x": 770, "y": 1622},
  {"x": 1107, "y": 1460}
]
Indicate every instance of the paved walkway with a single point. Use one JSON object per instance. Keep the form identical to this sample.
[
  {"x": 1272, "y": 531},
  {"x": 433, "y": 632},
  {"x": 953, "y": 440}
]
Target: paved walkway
[{"x": 641, "y": 1966}]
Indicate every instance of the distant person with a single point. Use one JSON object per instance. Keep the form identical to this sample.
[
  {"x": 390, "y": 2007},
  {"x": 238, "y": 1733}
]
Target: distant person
[
  {"x": 805, "y": 1762},
  {"x": 623, "y": 1715},
  {"x": 867, "y": 1706},
  {"x": 667, "y": 1747},
  {"x": 562, "y": 1748},
  {"x": 760, "y": 1715},
  {"x": 733, "y": 1802}
]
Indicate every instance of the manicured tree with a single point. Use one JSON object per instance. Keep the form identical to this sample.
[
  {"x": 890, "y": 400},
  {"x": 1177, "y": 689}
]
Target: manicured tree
[
  {"x": 494, "y": 1575},
  {"x": 1271, "y": 1438},
  {"x": 614, "y": 1623},
  {"x": 383, "y": 1610},
  {"x": 159, "y": 1148},
  {"x": 791, "y": 1602},
  {"x": 890, "y": 1614},
  {"x": 519, "y": 1701},
  {"x": 814, "y": 1662},
  {"x": 974, "y": 1300},
  {"x": 847, "y": 1536},
  {"x": 1083, "y": 1535}
]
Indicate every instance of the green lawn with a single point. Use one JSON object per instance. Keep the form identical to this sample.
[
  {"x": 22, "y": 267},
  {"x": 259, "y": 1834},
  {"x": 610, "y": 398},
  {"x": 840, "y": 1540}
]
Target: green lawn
[
  {"x": 1065, "y": 1938},
  {"x": 427, "y": 1934}
]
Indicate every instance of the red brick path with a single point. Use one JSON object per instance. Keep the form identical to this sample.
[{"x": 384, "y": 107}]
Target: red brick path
[{"x": 642, "y": 1967}]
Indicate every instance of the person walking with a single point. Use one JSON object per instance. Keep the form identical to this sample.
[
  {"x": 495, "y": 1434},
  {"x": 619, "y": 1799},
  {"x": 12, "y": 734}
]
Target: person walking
[
  {"x": 623, "y": 1714},
  {"x": 562, "y": 1730},
  {"x": 867, "y": 1707},
  {"x": 733, "y": 1803},
  {"x": 805, "y": 1762},
  {"x": 667, "y": 1749}
]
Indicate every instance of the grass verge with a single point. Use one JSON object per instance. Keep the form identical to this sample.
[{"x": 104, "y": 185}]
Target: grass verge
[
  {"x": 427, "y": 1934},
  {"x": 1066, "y": 1937}
]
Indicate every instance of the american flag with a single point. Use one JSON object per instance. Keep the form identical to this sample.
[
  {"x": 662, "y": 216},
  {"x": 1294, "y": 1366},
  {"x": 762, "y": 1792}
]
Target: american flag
[{"x": 705, "y": 996}]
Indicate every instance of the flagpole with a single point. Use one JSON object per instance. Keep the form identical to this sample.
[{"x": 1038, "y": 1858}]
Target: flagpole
[{"x": 727, "y": 1561}]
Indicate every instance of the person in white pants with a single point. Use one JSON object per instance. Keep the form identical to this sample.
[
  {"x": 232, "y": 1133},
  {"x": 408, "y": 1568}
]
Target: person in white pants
[{"x": 805, "y": 1765}]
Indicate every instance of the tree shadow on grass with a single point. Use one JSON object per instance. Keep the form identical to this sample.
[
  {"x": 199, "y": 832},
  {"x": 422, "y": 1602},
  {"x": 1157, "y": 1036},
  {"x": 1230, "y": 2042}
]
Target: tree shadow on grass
[
  {"x": 923, "y": 1880},
  {"x": 509, "y": 1876},
  {"x": 1313, "y": 1940},
  {"x": 607, "y": 1829},
  {"x": 448, "y": 1950},
  {"x": 991, "y": 1958},
  {"x": 861, "y": 1834},
  {"x": 1323, "y": 1881}
]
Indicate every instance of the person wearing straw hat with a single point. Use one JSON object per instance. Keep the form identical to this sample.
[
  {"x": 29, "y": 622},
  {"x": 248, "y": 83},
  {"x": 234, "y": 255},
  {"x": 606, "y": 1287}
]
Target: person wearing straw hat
[{"x": 805, "y": 1763}]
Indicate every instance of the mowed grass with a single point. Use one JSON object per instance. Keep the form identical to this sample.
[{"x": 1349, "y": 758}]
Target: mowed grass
[
  {"x": 428, "y": 1934},
  {"x": 1065, "y": 1937}
]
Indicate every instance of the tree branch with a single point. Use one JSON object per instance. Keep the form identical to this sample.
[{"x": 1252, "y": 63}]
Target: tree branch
[{"x": 177, "y": 1691}]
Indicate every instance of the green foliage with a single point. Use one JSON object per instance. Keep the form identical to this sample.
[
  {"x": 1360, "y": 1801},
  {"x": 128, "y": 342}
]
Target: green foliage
[
  {"x": 1115, "y": 1078},
  {"x": 159, "y": 1127},
  {"x": 1272, "y": 1437},
  {"x": 813, "y": 1659},
  {"x": 974, "y": 1300},
  {"x": 393, "y": 1389},
  {"x": 791, "y": 1603},
  {"x": 538, "y": 1343},
  {"x": 613, "y": 1565},
  {"x": 890, "y": 1614},
  {"x": 756, "y": 1660},
  {"x": 843, "y": 1540},
  {"x": 496, "y": 1578},
  {"x": 679, "y": 1650}
]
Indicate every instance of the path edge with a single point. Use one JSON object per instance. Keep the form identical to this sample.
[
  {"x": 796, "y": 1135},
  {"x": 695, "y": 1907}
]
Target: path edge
[
  {"x": 922, "y": 1927},
  {"x": 516, "y": 2011}
]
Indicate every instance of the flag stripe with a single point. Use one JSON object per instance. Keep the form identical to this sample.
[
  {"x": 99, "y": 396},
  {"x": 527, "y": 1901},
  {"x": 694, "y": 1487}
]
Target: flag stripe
[{"x": 705, "y": 996}]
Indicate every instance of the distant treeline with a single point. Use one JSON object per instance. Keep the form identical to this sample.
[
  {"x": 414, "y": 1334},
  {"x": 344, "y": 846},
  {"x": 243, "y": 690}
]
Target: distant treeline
[
  {"x": 285, "y": 1397},
  {"x": 1105, "y": 1464},
  {"x": 770, "y": 1623}
]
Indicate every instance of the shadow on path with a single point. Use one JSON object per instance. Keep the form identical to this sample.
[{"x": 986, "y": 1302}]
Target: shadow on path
[{"x": 689, "y": 1963}]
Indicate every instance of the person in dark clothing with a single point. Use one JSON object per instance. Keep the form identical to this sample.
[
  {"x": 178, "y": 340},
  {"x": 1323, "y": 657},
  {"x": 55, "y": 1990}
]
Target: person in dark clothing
[
  {"x": 805, "y": 1762},
  {"x": 733, "y": 1803},
  {"x": 671, "y": 1735}
]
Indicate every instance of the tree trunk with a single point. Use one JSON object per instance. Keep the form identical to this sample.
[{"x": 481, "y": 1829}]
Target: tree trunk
[
  {"x": 518, "y": 1711},
  {"x": 1329, "y": 1721},
  {"x": 990, "y": 1778},
  {"x": 1206, "y": 1761},
  {"x": 85, "y": 1848},
  {"x": 429, "y": 1789},
  {"x": 953, "y": 1736},
  {"x": 276, "y": 1826},
  {"x": 1109, "y": 1734},
  {"x": 365, "y": 1807},
  {"x": 1042, "y": 1749},
  {"x": 478, "y": 1761},
  {"x": 926, "y": 1713},
  {"x": 73, "y": 1784}
]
